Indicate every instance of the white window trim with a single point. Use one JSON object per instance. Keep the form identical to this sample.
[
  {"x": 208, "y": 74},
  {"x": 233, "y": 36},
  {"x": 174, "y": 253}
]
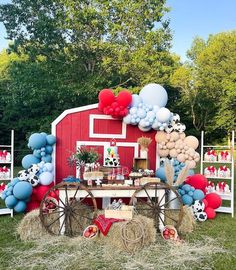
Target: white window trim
[{"x": 93, "y": 117}]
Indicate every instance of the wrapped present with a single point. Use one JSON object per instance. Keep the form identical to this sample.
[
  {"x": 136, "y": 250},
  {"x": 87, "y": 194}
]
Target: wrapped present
[
  {"x": 210, "y": 171},
  {"x": 224, "y": 156},
  {"x": 210, "y": 155},
  {"x": 223, "y": 171},
  {"x": 210, "y": 187},
  {"x": 222, "y": 187}
]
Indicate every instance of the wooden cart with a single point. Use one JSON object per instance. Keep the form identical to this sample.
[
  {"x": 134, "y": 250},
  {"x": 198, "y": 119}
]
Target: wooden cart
[{"x": 68, "y": 208}]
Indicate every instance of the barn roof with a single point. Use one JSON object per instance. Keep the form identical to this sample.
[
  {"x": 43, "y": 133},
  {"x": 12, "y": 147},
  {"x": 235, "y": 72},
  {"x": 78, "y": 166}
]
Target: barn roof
[{"x": 73, "y": 110}]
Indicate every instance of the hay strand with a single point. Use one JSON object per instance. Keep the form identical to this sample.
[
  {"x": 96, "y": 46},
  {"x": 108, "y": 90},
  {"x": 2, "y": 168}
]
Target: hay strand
[
  {"x": 182, "y": 175},
  {"x": 169, "y": 171}
]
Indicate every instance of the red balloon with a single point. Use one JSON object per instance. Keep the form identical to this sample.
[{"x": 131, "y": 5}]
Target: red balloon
[
  {"x": 211, "y": 214},
  {"x": 124, "y": 98},
  {"x": 100, "y": 106},
  {"x": 114, "y": 105},
  {"x": 32, "y": 205},
  {"x": 214, "y": 200},
  {"x": 205, "y": 202},
  {"x": 198, "y": 181},
  {"x": 41, "y": 191},
  {"x": 106, "y": 97}
]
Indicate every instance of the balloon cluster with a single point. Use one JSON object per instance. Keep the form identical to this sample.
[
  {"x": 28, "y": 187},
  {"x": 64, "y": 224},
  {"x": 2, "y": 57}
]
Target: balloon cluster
[
  {"x": 117, "y": 107},
  {"x": 42, "y": 146},
  {"x": 36, "y": 179},
  {"x": 189, "y": 194},
  {"x": 16, "y": 195},
  {"x": 208, "y": 204},
  {"x": 148, "y": 110},
  {"x": 178, "y": 166},
  {"x": 177, "y": 145}
]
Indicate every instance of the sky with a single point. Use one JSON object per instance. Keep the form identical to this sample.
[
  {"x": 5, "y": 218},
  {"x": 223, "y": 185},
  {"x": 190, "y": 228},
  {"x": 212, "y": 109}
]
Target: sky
[{"x": 188, "y": 19}]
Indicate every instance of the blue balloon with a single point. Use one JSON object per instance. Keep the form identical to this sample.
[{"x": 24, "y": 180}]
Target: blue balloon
[
  {"x": 160, "y": 173},
  {"x": 190, "y": 193},
  {"x": 192, "y": 188},
  {"x": 46, "y": 178},
  {"x": 43, "y": 153},
  {"x": 44, "y": 134},
  {"x": 20, "y": 207},
  {"x": 29, "y": 160},
  {"x": 22, "y": 190},
  {"x": 8, "y": 193},
  {"x": 47, "y": 158},
  {"x": 182, "y": 192},
  {"x": 4, "y": 196},
  {"x": 37, "y": 153},
  {"x": 186, "y": 187},
  {"x": 49, "y": 167},
  {"x": 37, "y": 141},
  {"x": 49, "y": 149},
  {"x": 11, "y": 201},
  {"x": 198, "y": 194},
  {"x": 51, "y": 139},
  {"x": 187, "y": 200},
  {"x": 154, "y": 94},
  {"x": 136, "y": 100},
  {"x": 191, "y": 172},
  {"x": 141, "y": 113}
]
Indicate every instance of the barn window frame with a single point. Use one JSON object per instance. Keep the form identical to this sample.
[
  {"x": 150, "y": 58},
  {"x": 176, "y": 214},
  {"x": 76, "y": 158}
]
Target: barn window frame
[{"x": 92, "y": 134}]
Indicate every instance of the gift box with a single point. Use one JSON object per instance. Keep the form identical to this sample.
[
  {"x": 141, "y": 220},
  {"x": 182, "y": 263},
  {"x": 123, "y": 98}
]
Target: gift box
[
  {"x": 210, "y": 171},
  {"x": 222, "y": 187},
  {"x": 210, "y": 155},
  {"x": 224, "y": 156},
  {"x": 210, "y": 187},
  {"x": 223, "y": 171}
]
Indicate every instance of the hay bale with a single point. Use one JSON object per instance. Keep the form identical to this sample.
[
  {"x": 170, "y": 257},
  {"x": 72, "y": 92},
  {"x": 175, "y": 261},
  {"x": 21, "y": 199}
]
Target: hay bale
[
  {"x": 131, "y": 235},
  {"x": 30, "y": 227}
]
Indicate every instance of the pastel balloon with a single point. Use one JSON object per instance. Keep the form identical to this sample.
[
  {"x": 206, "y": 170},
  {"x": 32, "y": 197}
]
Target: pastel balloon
[
  {"x": 11, "y": 201},
  {"x": 29, "y": 160},
  {"x": 136, "y": 100},
  {"x": 47, "y": 158},
  {"x": 48, "y": 149},
  {"x": 163, "y": 152},
  {"x": 163, "y": 115},
  {"x": 20, "y": 207},
  {"x": 37, "y": 141},
  {"x": 51, "y": 139},
  {"x": 191, "y": 141},
  {"x": 141, "y": 113},
  {"x": 154, "y": 94},
  {"x": 127, "y": 119},
  {"x": 49, "y": 167},
  {"x": 145, "y": 129},
  {"x": 46, "y": 178},
  {"x": 22, "y": 190},
  {"x": 160, "y": 136}
]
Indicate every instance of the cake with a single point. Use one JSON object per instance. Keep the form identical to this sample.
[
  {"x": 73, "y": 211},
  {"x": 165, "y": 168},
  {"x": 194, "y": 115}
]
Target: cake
[{"x": 112, "y": 158}]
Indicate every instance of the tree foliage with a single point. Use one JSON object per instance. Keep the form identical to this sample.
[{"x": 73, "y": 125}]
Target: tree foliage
[{"x": 207, "y": 83}]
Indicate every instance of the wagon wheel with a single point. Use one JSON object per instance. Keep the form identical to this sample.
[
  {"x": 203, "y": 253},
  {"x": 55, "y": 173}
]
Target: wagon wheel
[
  {"x": 166, "y": 210},
  {"x": 71, "y": 215}
]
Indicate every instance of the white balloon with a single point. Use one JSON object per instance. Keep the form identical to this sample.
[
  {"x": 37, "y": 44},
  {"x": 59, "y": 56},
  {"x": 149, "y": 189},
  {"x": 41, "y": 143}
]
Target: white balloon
[
  {"x": 156, "y": 108},
  {"x": 45, "y": 178},
  {"x": 154, "y": 94},
  {"x": 142, "y": 123},
  {"x": 163, "y": 115},
  {"x": 145, "y": 129},
  {"x": 127, "y": 119},
  {"x": 151, "y": 114}
]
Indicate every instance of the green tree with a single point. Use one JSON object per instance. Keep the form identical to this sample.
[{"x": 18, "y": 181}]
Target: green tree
[{"x": 207, "y": 83}]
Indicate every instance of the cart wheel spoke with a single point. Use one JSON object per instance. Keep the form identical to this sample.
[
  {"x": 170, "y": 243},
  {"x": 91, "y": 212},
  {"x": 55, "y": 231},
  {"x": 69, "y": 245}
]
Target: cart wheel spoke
[
  {"x": 169, "y": 202},
  {"x": 63, "y": 223},
  {"x": 168, "y": 216},
  {"x": 49, "y": 225},
  {"x": 148, "y": 195}
]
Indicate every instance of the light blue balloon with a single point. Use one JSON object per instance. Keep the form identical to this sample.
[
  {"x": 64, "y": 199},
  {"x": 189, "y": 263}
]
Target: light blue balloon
[
  {"x": 43, "y": 153},
  {"x": 11, "y": 201},
  {"x": 49, "y": 167},
  {"x": 156, "y": 108},
  {"x": 133, "y": 121},
  {"x": 8, "y": 193},
  {"x": 138, "y": 119},
  {"x": 182, "y": 192},
  {"x": 163, "y": 115},
  {"x": 37, "y": 141},
  {"x": 198, "y": 194},
  {"x": 46, "y": 178},
  {"x": 51, "y": 139},
  {"x": 192, "y": 188},
  {"x": 136, "y": 100},
  {"x": 160, "y": 173},
  {"x": 142, "y": 123},
  {"x": 29, "y": 160},
  {"x": 154, "y": 94},
  {"x": 49, "y": 149},
  {"x": 144, "y": 129},
  {"x": 15, "y": 181},
  {"x": 45, "y": 169},
  {"x": 140, "y": 105},
  {"x": 22, "y": 190},
  {"x": 10, "y": 189},
  {"x": 155, "y": 125},
  {"x": 37, "y": 153},
  {"x": 187, "y": 200},
  {"x": 150, "y": 107},
  {"x": 47, "y": 158},
  {"x": 44, "y": 134},
  {"x": 151, "y": 114},
  {"x": 43, "y": 149},
  {"x": 141, "y": 113},
  {"x": 126, "y": 119},
  {"x": 186, "y": 187},
  {"x": 20, "y": 207},
  {"x": 133, "y": 110},
  {"x": 161, "y": 128},
  {"x": 191, "y": 172},
  {"x": 190, "y": 193}
]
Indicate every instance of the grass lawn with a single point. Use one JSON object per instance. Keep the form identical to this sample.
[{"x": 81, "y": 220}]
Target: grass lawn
[{"x": 212, "y": 245}]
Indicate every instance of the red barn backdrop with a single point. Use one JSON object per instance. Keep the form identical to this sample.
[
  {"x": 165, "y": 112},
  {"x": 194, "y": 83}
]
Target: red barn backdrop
[{"x": 88, "y": 126}]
